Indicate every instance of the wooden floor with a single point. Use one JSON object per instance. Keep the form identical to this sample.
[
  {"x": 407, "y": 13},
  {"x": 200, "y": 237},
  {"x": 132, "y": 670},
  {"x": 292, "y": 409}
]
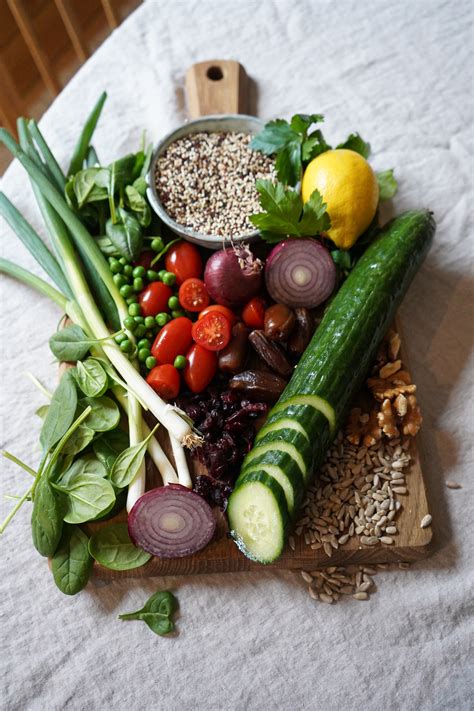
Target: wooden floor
[{"x": 24, "y": 91}]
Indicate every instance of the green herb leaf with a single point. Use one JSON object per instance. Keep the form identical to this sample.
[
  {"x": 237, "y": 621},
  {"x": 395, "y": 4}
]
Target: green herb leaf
[
  {"x": 128, "y": 463},
  {"x": 285, "y": 213},
  {"x": 388, "y": 185},
  {"x": 109, "y": 445},
  {"x": 70, "y": 344},
  {"x": 46, "y": 518},
  {"x": 91, "y": 377},
  {"x": 356, "y": 143},
  {"x": 88, "y": 186},
  {"x": 313, "y": 146},
  {"x": 72, "y": 562},
  {"x": 87, "y": 496},
  {"x": 104, "y": 415},
  {"x": 111, "y": 547},
  {"x": 126, "y": 235},
  {"x": 273, "y": 138},
  {"x": 157, "y": 613},
  {"x": 342, "y": 259},
  {"x": 60, "y": 415}
]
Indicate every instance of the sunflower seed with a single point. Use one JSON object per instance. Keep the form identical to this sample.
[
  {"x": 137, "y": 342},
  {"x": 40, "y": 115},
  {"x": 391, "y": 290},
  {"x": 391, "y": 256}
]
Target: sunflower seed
[
  {"x": 453, "y": 485},
  {"x": 426, "y": 521},
  {"x": 360, "y": 596}
]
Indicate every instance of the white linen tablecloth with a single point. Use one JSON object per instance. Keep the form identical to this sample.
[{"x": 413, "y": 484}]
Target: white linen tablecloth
[{"x": 400, "y": 73}]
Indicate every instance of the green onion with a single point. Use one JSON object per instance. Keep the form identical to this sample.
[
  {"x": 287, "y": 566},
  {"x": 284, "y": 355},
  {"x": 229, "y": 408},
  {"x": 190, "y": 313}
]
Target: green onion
[
  {"x": 49, "y": 158},
  {"x": 82, "y": 147}
]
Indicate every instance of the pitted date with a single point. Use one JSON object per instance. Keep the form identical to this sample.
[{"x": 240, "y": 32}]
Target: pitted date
[
  {"x": 258, "y": 385},
  {"x": 271, "y": 353},
  {"x": 302, "y": 333}
]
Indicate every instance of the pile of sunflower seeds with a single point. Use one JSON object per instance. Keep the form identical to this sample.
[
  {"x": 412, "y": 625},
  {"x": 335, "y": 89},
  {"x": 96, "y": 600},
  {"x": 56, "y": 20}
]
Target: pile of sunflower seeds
[
  {"x": 356, "y": 494},
  {"x": 206, "y": 182}
]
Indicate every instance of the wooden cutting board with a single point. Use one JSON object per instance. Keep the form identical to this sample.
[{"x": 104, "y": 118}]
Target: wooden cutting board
[{"x": 221, "y": 87}]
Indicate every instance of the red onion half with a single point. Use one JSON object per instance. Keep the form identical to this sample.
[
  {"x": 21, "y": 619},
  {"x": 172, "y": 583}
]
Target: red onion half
[
  {"x": 171, "y": 522},
  {"x": 300, "y": 272},
  {"x": 233, "y": 276}
]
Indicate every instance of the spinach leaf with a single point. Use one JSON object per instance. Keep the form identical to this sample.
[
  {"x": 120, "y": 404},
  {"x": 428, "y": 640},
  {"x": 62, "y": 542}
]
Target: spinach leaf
[
  {"x": 140, "y": 186},
  {"x": 106, "y": 247},
  {"x": 356, "y": 143},
  {"x": 139, "y": 205},
  {"x": 87, "y": 496},
  {"x": 109, "y": 445},
  {"x": 124, "y": 169},
  {"x": 78, "y": 441},
  {"x": 91, "y": 377},
  {"x": 42, "y": 411},
  {"x": 83, "y": 465},
  {"x": 70, "y": 344},
  {"x": 46, "y": 518},
  {"x": 72, "y": 562},
  {"x": 388, "y": 185},
  {"x": 60, "y": 415},
  {"x": 88, "y": 187},
  {"x": 105, "y": 414},
  {"x": 126, "y": 234},
  {"x": 157, "y": 613},
  {"x": 111, "y": 547},
  {"x": 128, "y": 463}
]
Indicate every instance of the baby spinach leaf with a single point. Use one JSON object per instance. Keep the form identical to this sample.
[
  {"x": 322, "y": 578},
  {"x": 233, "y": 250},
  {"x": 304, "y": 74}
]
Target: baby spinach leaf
[
  {"x": 46, "y": 518},
  {"x": 111, "y": 547},
  {"x": 104, "y": 415},
  {"x": 356, "y": 143},
  {"x": 388, "y": 186},
  {"x": 83, "y": 465},
  {"x": 91, "y": 377},
  {"x": 139, "y": 205},
  {"x": 124, "y": 169},
  {"x": 106, "y": 247},
  {"x": 42, "y": 411},
  {"x": 109, "y": 445},
  {"x": 72, "y": 562},
  {"x": 125, "y": 235},
  {"x": 86, "y": 189},
  {"x": 87, "y": 496},
  {"x": 140, "y": 186},
  {"x": 157, "y": 613},
  {"x": 78, "y": 441},
  {"x": 70, "y": 344},
  {"x": 60, "y": 415},
  {"x": 128, "y": 463}
]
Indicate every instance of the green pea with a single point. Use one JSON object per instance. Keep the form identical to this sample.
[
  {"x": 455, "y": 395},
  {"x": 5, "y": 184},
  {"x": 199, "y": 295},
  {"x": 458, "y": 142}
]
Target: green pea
[
  {"x": 128, "y": 270},
  {"x": 152, "y": 275},
  {"x": 123, "y": 261},
  {"x": 180, "y": 362},
  {"x": 157, "y": 244},
  {"x": 120, "y": 337},
  {"x": 126, "y": 346},
  {"x": 143, "y": 343},
  {"x": 162, "y": 319},
  {"x": 177, "y": 314},
  {"x": 162, "y": 273},
  {"x": 119, "y": 280},
  {"x": 140, "y": 330},
  {"x": 134, "y": 309},
  {"x": 173, "y": 302},
  {"x": 150, "y": 362},
  {"x": 139, "y": 319},
  {"x": 169, "y": 279},
  {"x": 143, "y": 354},
  {"x": 139, "y": 272},
  {"x": 130, "y": 323},
  {"x": 126, "y": 290},
  {"x": 115, "y": 266},
  {"x": 132, "y": 300},
  {"x": 138, "y": 284},
  {"x": 149, "y": 322}
]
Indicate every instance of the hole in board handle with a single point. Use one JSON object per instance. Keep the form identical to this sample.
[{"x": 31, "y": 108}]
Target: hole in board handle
[{"x": 214, "y": 73}]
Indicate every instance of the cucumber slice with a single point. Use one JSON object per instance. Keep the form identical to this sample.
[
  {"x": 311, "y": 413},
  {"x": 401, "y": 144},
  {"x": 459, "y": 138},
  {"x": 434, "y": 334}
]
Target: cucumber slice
[
  {"x": 278, "y": 447},
  {"x": 282, "y": 423},
  {"x": 291, "y": 484},
  {"x": 314, "y": 401},
  {"x": 258, "y": 517},
  {"x": 290, "y": 436}
]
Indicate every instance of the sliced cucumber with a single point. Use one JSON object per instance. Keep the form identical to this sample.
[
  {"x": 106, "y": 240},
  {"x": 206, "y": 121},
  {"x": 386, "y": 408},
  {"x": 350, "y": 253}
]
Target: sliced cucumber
[
  {"x": 258, "y": 517},
  {"x": 291, "y": 484},
  {"x": 282, "y": 423},
  {"x": 314, "y": 401},
  {"x": 277, "y": 447},
  {"x": 289, "y": 436}
]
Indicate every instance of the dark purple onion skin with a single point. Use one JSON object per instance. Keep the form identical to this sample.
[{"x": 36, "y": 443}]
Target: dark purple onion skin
[
  {"x": 279, "y": 293},
  {"x": 164, "y": 549},
  {"x": 227, "y": 282}
]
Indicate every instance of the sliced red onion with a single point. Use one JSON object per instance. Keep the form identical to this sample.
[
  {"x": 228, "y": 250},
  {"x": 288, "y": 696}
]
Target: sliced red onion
[
  {"x": 232, "y": 276},
  {"x": 300, "y": 272},
  {"x": 171, "y": 522}
]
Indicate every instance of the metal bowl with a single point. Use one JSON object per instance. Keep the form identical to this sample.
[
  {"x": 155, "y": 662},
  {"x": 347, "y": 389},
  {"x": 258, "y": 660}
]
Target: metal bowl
[{"x": 211, "y": 124}]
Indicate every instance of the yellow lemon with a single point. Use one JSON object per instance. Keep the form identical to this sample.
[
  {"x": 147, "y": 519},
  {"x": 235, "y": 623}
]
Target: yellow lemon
[{"x": 349, "y": 188}]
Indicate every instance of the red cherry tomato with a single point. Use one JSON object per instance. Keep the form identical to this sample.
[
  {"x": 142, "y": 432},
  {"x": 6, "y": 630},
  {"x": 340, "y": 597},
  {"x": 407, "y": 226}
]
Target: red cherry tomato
[
  {"x": 154, "y": 299},
  {"x": 221, "y": 309},
  {"x": 212, "y": 331},
  {"x": 193, "y": 295},
  {"x": 173, "y": 340},
  {"x": 253, "y": 312},
  {"x": 145, "y": 259},
  {"x": 184, "y": 260},
  {"x": 165, "y": 380},
  {"x": 200, "y": 369}
]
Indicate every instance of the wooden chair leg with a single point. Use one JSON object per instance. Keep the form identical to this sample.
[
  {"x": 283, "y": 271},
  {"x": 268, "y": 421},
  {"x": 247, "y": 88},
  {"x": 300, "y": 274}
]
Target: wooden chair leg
[
  {"x": 111, "y": 14},
  {"x": 19, "y": 12},
  {"x": 69, "y": 18}
]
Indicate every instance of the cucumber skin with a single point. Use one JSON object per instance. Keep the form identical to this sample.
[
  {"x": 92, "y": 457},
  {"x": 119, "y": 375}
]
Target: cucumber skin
[{"x": 344, "y": 345}]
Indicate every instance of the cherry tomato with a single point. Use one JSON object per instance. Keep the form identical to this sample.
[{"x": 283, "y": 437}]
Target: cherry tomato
[
  {"x": 253, "y": 312},
  {"x": 184, "y": 260},
  {"x": 154, "y": 299},
  {"x": 221, "y": 309},
  {"x": 173, "y": 340},
  {"x": 165, "y": 380},
  {"x": 145, "y": 259},
  {"x": 201, "y": 368},
  {"x": 193, "y": 295},
  {"x": 212, "y": 331}
]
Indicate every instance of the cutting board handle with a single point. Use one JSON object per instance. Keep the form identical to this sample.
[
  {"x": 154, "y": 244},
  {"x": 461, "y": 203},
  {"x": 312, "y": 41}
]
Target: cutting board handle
[{"x": 217, "y": 86}]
